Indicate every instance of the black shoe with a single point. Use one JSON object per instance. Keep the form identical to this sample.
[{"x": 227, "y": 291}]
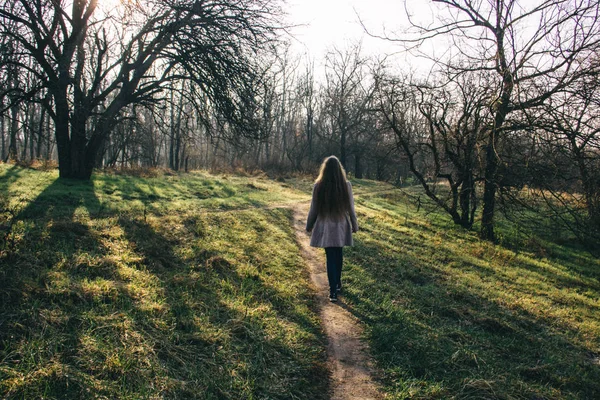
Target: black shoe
[
  {"x": 333, "y": 296},
  {"x": 338, "y": 288}
]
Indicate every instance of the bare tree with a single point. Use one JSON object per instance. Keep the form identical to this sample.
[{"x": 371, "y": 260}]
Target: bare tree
[
  {"x": 347, "y": 94},
  {"x": 439, "y": 129},
  {"x": 95, "y": 64},
  {"x": 307, "y": 96},
  {"x": 569, "y": 152},
  {"x": 528, "y": 51}
]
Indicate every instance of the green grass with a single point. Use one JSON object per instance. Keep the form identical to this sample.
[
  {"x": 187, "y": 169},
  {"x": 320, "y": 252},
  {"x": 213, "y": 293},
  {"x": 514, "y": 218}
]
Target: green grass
[
  {"x": 169, "y": 287},
  {"x": 192, "y": 286},
  {"x": 448, "y": 316}
]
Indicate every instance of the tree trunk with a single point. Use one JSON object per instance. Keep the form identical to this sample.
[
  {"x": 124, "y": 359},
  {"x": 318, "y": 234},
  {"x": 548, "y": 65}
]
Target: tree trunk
[
  {"x": 343, "y": 148},
  {"x": 26, "y": 129},
  {"x": 32, "y": 139},
  {"x": 267, "y": 152},
  {"x": 283, "y": 144},
  {"x": 465, "y": 199},
  {"x": 176, "y": 135},
  {"x": 61, "y": 131},
  {"x": 257, "y": 153},
  {"x": 171, "y": 151},
  {"x": 75, "y": 159},
  {"x": 358, "y": 173},
  {"x": 40, "y": 134},
  {"x": 309, "y": 130},
  {"x": 489, "y": 190},
  {"x": 177, "y": 150},
  {"x": 4, "y": 153},
  {"x": 48, "y": 140},
  {"x": 589, "y": 182},
  {"x": 172, "y": 135},
  {"x": 81, "y": 167},
  {"x": 14, "y": 129},
  {"x": 123, "y": 147},
  {"x": 492, "y": 163}
]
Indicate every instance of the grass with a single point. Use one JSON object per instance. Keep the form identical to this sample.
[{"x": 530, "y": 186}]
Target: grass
[
  {"x": 192, "y": 286},
  {"x": 449, "y": 316},
  {"x": 170, "y": 287}
]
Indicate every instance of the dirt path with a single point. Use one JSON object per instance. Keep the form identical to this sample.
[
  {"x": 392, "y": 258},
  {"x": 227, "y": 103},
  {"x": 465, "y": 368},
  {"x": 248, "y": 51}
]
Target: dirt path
[{"x": 351, "y": 367}]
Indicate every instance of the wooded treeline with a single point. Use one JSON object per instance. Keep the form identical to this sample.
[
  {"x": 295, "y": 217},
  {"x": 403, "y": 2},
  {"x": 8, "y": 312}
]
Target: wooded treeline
[{"x": 509, "y": 118}]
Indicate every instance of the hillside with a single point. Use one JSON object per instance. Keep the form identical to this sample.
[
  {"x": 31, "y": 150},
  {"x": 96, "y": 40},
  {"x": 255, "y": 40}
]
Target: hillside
[{"x": 193, "y": 286}]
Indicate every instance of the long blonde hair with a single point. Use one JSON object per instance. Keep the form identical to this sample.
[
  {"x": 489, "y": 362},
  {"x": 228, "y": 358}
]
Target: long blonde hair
[{"x": 333, "y": 197}]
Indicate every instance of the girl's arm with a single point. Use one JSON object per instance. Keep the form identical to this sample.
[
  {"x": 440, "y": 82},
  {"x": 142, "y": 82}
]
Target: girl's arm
[
  {"x": 312, "y": 214},
  {"x": 353, "y": 219}
]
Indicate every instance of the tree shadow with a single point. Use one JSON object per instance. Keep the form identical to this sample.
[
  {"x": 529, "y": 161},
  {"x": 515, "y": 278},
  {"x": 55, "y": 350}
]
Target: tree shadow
[
  {"x": 214, "y": 325},
  {"x": 104, "y": 302},
  {"x": 9, "y": 176},
  {"x": 573, "y": 256},
  {"x": 41, "y": 273},
  {"x": 50, "y": 220},
  {"x": 436, "y": 332},
  {"x": 164, "y": 194},
  {"x": 583, "y": 270}
]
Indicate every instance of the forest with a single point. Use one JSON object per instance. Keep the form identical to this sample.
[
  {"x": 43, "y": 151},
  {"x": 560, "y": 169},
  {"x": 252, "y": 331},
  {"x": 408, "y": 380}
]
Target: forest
[{"x": 507, "y": 118}]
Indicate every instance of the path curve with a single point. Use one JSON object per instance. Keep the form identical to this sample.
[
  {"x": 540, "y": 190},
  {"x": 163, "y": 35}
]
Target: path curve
[{"x": 352, "y": 369}]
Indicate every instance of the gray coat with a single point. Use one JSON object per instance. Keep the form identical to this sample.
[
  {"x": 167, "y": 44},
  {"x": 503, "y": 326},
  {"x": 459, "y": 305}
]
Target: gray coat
[{"x": 331, "y": 231}]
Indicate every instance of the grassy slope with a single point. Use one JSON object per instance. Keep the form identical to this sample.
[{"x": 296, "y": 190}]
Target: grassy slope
[
  {"x": 154, "y": 287},
  {"x": 451, "y": 317},
  {"x": 182, "y": 286}
]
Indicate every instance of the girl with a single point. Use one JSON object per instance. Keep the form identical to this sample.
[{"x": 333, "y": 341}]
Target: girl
[{"x": 332, "y": 219}]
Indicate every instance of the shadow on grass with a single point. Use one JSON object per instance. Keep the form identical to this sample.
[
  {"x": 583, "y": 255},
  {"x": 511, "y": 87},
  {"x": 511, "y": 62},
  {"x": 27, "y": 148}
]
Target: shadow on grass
[
  {"x": 164, "y": 187},
  {"x": 49, "y": 221},
  {"x": 98, "y": 301},
  {"x": 575, "y": 257},
  {"x": 10, "y": 175},
  {"x": 42, "y": 310},
  {"x": 220, "y": 347},
  {"x": 435, "y": 335},
  {"x": 573, "y": 267}
]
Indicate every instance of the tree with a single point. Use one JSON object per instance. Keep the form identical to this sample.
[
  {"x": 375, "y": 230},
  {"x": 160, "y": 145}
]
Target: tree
[
  {"x": 569, "y": 154},
  {"x": 307, "y": 96},
  {"x": 528, "y": 51},
  {"x": 439, "y": 130},
  {"x": 94, "y": 63},
  {"x": 347, "y": 95}
]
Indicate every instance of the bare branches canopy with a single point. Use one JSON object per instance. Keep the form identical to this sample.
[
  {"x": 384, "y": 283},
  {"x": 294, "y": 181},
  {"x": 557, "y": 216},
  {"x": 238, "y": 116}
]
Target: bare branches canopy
[
  {"x": 525, "y": 54},
  {"x": 87, "y": 63}
]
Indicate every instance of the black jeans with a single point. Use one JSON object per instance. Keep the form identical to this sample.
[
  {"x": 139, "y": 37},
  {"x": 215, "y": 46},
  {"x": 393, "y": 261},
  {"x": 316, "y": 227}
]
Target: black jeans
[{"x": 335, "y": 257}]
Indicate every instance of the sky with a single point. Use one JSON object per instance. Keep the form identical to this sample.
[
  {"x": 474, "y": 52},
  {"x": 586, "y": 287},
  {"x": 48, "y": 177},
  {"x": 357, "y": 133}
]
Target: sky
[
  {"x": 319, "y": 25},
  {"x": 328, "y": 23}
]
